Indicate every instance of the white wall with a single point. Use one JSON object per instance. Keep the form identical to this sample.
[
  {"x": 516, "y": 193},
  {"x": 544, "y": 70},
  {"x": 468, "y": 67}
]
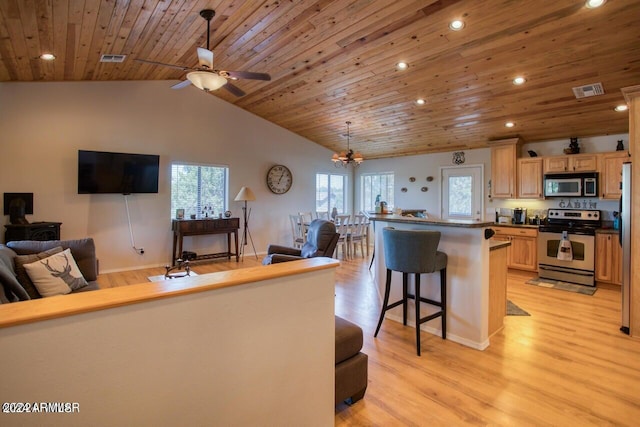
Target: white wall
[
  {"x": 421, "y": 166},
  {"x": 44, "y": 124}
]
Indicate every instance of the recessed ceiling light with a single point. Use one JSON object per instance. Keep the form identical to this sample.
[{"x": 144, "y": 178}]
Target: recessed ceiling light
[
  {"x": 420, "y": 101},
  {"x": 48, "y": 56},
  {"x": 456, "y": 25},
  {"x": 402, "y": 65},
  {"x": 519, "y": 80},
  {"x": 592, "y": 4},
  {"x": 509, "y": 124},
  {"x": 621, "y": 107}
]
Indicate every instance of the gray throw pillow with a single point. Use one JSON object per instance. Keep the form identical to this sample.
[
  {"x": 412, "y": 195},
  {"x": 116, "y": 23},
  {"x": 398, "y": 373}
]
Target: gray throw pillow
[
  {"x": 23, "y": 277},
  {"x": 6, "y": 257},
  {"x": 12, "y": 289}
]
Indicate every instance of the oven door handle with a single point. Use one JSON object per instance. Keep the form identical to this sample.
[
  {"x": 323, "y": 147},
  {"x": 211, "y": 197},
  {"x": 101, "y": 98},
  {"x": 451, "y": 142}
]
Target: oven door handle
[{"x": 577, "y": 273}]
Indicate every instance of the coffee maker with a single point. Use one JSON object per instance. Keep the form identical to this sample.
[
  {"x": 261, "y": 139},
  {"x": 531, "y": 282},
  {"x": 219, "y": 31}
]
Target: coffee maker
[{"x": 520, "y": 215}]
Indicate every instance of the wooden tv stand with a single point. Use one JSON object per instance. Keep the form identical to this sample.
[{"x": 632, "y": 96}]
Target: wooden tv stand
[{"x": 198, "y": 227}]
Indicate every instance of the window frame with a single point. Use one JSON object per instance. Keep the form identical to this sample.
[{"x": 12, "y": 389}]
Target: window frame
[
  {"x": 390, "y": 203},
  {"x": 345, "y": 198},
  {"x": 200, "y": 204},
  {"x": 477, "y": 192}
]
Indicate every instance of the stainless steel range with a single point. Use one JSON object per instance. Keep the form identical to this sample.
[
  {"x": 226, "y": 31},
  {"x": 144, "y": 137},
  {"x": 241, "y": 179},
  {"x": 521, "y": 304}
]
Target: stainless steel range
[{"x": 580, "y": 226}]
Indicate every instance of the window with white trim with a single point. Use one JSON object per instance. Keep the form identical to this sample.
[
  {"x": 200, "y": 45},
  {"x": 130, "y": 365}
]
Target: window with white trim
[
  {"x": 461, "y": 190},
  {"x": 331, "y": 191},
  {"x": 201, "y": 190},
  {"x": 374, "y": 185}
]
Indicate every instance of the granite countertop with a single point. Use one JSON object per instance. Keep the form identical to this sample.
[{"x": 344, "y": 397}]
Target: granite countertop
[
  {"x": 495, "y": 224},
  {"x": 429, "y": 221}
]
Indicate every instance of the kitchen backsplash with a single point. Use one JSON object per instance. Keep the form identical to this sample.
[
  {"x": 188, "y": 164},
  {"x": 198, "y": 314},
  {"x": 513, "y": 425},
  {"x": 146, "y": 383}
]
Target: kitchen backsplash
[{"x": 539, "y": 207}]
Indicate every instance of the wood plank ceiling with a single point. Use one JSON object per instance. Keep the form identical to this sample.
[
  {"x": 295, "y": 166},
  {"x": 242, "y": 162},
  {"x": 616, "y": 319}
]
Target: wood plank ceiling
[{"x": 334, "y": 60}]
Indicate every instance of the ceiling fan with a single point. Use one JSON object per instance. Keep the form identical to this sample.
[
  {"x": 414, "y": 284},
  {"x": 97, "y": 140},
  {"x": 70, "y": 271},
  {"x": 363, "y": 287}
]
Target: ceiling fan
[{"x": 204, "y": 76}]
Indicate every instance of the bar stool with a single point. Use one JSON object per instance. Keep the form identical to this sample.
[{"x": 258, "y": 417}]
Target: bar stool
[{"x": 414, "y": 251}]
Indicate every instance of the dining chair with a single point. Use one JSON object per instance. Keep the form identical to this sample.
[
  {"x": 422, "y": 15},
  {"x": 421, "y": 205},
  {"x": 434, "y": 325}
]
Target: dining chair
[
  {"x": 367, "y": 230},
  {"x": 342, "y": 227},
  {"x": 322, "y": 215},
  {"x": 357, "y": 234},
  {"x": 307, "y": 217},
  {"x": 297, "y": 230}
]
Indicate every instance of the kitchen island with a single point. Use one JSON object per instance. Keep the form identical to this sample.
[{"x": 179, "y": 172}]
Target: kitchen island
[{"x": 468, "y": 284}]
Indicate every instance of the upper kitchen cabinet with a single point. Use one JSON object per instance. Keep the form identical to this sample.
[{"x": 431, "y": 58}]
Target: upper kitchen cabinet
[
  {"x": 503, "y": 168},
  {"x": 530, "y": 178},
  {"x": 611, "y": 173},
  {"x": 571, "y": 163}
]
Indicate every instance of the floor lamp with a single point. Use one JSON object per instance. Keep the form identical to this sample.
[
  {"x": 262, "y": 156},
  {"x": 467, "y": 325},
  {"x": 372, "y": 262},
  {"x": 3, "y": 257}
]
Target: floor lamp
[{"x": 246, "y": 195}]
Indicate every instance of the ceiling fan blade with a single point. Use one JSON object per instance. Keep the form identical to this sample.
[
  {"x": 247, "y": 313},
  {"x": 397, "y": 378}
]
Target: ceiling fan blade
[
  {"x": 234, "y": 89},
  {"x": 163, "y": 64},
  {"x": 182, "y": 84},
  {"x": 205, "y": 58},
  {"x": 248, "y": 75}
]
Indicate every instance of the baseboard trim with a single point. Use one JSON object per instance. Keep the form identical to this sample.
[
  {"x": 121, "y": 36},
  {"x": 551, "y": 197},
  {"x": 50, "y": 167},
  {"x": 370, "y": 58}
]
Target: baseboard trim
[{"x": 451, "y": 337}]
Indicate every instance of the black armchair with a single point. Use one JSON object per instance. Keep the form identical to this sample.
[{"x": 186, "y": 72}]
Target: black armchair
[{"x": 321, "y": 242}]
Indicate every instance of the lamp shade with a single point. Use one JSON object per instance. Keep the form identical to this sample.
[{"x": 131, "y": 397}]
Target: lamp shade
[
  {"x": 206, "y": 80},
  {"x": 245, "y": 194}
]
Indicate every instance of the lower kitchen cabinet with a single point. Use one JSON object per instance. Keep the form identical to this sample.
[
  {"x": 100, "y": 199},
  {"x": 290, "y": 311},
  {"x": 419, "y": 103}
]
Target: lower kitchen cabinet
[
  {"x": 523, "y": 252},
  {"x": 608, "y": 258}
]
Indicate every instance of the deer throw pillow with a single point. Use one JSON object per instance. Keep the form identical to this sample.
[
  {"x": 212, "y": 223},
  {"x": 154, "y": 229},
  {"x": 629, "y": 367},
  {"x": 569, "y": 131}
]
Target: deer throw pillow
[
  {"x": 56, "y": 275},
  {"x": 21, "y": 273}
]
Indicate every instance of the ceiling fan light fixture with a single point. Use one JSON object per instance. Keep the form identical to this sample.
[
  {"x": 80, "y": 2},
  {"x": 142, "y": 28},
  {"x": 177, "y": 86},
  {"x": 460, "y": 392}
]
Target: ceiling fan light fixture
[{"x": 206, "y": 81}]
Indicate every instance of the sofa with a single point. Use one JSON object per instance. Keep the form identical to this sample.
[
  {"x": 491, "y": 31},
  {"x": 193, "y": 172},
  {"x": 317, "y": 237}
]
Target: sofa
[
  {"x": 14, "y": 281},
  {"x": 351, "y": 374}
]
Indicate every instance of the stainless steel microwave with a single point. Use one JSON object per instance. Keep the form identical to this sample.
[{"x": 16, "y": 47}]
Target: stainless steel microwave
[{"x": 571, "y": 185}]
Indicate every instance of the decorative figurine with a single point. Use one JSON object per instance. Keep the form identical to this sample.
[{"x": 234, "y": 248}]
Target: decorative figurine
[
  {"x": 575, "y": 148},
  {"x": 620, "y": 146}
]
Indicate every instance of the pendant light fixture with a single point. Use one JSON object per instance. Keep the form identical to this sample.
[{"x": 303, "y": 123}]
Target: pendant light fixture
[{"x": 344, "y": 159}]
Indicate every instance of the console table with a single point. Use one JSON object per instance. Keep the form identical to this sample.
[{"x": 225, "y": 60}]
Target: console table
[
  {"x": 34, "y": 231},
  {"x": 198, "y": 227}
]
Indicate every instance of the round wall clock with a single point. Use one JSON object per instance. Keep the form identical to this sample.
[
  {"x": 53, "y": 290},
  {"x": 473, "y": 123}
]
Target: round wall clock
[{"x": 279, "y": 179}]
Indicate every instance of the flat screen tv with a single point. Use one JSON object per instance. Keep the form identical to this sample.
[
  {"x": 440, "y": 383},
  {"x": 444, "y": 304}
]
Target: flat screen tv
[{"x": 101, "y": 172}]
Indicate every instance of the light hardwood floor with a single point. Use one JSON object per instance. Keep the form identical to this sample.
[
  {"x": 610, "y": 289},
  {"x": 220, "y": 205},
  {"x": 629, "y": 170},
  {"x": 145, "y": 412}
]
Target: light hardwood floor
[{"x": 565, "y": 365}]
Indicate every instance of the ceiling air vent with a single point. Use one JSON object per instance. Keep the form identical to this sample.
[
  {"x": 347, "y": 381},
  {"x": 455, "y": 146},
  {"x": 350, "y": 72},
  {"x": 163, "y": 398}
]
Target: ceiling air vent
[
  {"x": 586, "y": 91},
  {"x": 112, "y": 58}
]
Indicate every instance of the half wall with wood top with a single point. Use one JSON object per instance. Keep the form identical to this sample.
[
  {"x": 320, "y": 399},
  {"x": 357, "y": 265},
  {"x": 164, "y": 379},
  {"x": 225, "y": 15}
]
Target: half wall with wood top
[{"x": 242, "y": 347}]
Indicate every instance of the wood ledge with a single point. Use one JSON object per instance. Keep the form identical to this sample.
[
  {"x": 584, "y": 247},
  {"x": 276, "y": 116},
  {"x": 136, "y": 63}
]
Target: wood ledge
[{"x": 68, "y": 305}]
